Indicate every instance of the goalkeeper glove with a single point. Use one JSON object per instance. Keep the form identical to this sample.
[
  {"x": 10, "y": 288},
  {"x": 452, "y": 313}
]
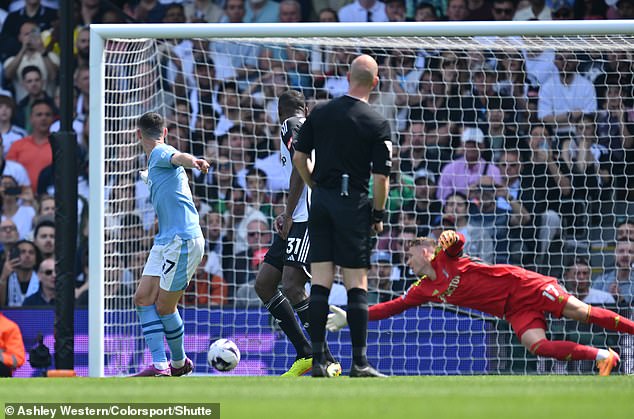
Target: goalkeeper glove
[
  {"x": 447, "y": 239},
  {"x": 336, "y": 320}
]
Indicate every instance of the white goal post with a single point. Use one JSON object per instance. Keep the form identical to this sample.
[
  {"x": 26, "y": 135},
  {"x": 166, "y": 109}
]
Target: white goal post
[{"x": 106, "y": 131}]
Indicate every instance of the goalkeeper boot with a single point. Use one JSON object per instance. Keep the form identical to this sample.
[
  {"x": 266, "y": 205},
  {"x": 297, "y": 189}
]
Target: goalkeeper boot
[
  {"x": 152, "y": 371},
  {"x": 186, "y": 369},
  {"x": 300, "y": 367},
  {"x": 333, "y": 369},
  {"x": 365, "y": 371},
  {"x": 605, "y": 365}
]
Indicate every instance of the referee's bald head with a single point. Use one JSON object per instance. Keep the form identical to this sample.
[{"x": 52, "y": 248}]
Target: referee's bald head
[{"x": 364, "y": 72}]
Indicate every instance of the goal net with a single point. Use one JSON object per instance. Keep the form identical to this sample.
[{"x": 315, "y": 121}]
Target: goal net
[{"x": 522, "y": 143}]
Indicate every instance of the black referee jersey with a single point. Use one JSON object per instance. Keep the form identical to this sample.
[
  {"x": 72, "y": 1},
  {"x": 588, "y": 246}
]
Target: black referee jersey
[{"x": 348, "y": 136}]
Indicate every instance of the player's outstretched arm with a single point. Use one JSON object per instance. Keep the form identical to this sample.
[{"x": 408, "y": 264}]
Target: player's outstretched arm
[
  {"x": 190, "y": 162},
  {"x": 337, "y": 320}
]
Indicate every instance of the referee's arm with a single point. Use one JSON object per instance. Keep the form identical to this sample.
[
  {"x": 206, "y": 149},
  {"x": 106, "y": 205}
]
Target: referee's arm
[
  {"x": 380, "y": 190},
  {"x": 300, "y": 161}
]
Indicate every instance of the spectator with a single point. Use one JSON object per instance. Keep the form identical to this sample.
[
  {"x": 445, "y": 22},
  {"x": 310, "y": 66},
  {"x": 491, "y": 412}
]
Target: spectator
[
  {"x": 34, "y": 87},
  {"x": 203, "y": 11},
  {"x": 531, "y": 191},
  {"x": 150, "y": 11},
  {"x": 427, "y": 208},
  {"x": 379, "y": 284},
  {"x": 503, "y": 9},
  {"x": 19, "y": 279},
  {"x": 12, "y": 353},
  {"x": 21, "y": 214},
  {"x": 395, "y": 10},
  {"x": 82, "y": 45},
  {"x": 328, "y": 15},
  {"x": 290, "y": 11},
  {"x": 619, "y": 281},
  {"x": 205, "y": 289},
  {"x": 44, "y": 238},
  {"x": 46, "y": 294},
  {"x": 626, "y": 9},
  {"x": 562, "y": 10},
  {"x": 45, "y": 209},
  {"x": 90, "y": 11},
  {"x": 363, "y": 11},
  {"x": 536, "y": 10},
  {"x": 247, "y": 262},
  {"x": 34, "y": 152},
  {"x": 425, "y": 12},
  {"x": 577, "y": 282},
  {"x": 32, "y": 53},
  {"x": 455, "y": 216},
  {"x": 457, "y": 10},
  {"x": 565, "y": 97},
  {"x": 497, "y": 217},
  {"x": 8, "y": 238},
  {"x": 625, "y": 230},
  {"x": 9, "y": 132},
  {"x": 479, "y": 10},
  {"x": 466, "y": 170},
  {"x": 34, "y": 12},
  {"x": 262, "y": 11}
]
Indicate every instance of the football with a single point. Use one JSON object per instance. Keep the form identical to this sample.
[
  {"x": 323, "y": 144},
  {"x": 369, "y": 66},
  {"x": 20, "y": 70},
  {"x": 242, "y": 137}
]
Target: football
[{"x": 223, "y": 355}]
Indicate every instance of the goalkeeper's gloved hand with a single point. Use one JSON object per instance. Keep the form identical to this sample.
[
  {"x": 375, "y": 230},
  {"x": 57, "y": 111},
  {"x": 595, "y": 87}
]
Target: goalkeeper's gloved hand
[
  {"x": 447, "y": 239},
  {"x": 336, "y": 320}
]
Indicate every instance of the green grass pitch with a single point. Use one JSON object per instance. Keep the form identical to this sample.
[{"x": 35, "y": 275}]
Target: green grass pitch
[{"x": 486, "y": 397}]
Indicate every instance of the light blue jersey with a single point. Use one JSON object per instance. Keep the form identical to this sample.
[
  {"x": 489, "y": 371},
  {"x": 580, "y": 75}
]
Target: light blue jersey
[{"x": 171, "y": 197}]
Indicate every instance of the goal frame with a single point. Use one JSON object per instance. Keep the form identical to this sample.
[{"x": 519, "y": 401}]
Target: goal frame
[{"x": 100, "y": 33}]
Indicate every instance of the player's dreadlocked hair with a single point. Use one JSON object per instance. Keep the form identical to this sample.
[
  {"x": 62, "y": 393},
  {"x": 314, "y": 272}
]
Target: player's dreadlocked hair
[{"x": 422, "y": 241}]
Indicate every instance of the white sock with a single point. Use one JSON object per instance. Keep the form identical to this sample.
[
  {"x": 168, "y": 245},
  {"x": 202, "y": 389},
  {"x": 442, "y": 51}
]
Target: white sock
[
  {"x": 161, "y": 365},
  {"x": 178, "y": 364},
  {"x": 602, "y": 354}
]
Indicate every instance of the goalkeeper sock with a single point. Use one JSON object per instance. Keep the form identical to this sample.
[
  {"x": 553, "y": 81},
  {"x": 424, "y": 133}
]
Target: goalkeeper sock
[
  {"x": 281, "y": 309},
  {"x": 174, "y": 330},
  {"x": 153, "y": 334},
  {"x": 564, "y": 350},
  {"x": 318, "y": 308},
  {"x": 358, "y": 322},
  {"x": 301, "y": 309},
  {"x": 609, "y": 320}
]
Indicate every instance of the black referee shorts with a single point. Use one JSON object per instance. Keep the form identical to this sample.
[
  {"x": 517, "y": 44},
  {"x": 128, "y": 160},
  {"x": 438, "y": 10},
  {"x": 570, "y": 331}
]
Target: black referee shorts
[{"x": 340, "y": 229}]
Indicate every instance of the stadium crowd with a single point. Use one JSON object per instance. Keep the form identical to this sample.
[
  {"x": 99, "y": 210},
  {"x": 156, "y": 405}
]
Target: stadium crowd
[{"x": 528, "y": 154}]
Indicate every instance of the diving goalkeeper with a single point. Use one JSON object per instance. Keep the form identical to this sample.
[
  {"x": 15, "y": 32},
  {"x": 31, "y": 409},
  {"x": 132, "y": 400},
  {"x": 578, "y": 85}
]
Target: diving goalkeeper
[{"x": 520, "y": 296}]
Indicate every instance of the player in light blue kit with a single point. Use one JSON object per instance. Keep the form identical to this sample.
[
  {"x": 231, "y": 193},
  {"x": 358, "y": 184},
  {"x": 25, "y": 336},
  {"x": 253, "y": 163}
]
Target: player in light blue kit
[{"x": 177, "y": 251}]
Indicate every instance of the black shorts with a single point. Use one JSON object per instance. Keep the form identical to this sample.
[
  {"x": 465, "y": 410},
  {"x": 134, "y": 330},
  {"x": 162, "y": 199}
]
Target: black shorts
[
  {"x": 340, "y": 229},
  {"x": 291, "y": 252}
]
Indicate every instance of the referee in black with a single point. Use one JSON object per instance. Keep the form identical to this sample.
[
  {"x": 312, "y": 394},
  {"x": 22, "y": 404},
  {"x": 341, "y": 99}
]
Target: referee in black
[{"x": 351, "y": 142}]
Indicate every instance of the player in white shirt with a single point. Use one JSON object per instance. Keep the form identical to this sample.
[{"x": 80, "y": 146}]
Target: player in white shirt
[{"x": 286, "y": 261}]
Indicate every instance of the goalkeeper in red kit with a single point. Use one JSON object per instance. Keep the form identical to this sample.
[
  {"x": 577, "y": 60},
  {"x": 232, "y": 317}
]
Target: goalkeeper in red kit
[{"x": 516, "y": 294}]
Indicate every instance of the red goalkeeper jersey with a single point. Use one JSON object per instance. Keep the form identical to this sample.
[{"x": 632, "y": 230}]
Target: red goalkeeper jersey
[{"x": 469, "y": 282}]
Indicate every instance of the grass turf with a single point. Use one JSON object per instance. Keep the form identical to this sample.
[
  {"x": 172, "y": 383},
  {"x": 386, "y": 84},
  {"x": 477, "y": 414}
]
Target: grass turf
[{"x": 485, "y": 397}]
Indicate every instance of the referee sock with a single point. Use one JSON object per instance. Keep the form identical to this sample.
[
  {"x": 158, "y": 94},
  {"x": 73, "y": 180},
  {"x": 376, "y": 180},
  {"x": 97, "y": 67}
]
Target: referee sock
[
  {"x": 153, "y": 334},
  {"x": 318, "y": 308},
  {"x": 358, "y": 321},
  {"x": 281, "y": 309},
  {"x": 174, "y": 331},
  {"x": 301, "y": 309},
  {"x": 564, "y": 350},
  {"x": 609, "y": 320}
]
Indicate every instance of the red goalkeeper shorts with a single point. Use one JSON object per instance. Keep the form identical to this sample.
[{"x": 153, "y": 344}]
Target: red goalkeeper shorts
[{"x": 531, "y": 299}]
